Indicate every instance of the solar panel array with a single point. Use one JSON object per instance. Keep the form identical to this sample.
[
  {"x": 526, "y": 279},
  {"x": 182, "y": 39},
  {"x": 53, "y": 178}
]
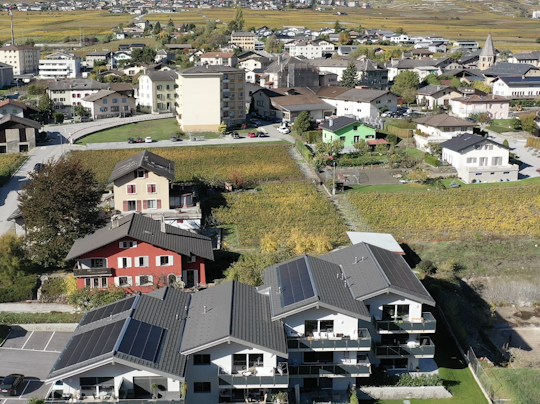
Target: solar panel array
[
  {"x": 90, "y": 345},
  {"x": 142, "y": 340},
  {"x": 109, "y": 310},
  {"x": 295, "y": 282}
]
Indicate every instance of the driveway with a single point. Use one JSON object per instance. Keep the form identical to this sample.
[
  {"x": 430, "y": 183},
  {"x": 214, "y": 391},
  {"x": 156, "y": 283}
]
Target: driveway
[
  {"x": 530, "y": 163},
  {"x": 32, "y": 354}
]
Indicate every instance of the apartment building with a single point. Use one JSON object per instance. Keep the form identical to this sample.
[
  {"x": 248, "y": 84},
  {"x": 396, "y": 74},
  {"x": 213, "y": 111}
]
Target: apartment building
[
  {"x": 60, "y": 65},
  {"x": 209, "y": 95},
  {"x": 23, "y": 58},
  {"x": 157, "y": 92},
  {"x": 311, "y": 49},
  {"x": 109, "y": 104},
  {"x": 244, "y": 40}
]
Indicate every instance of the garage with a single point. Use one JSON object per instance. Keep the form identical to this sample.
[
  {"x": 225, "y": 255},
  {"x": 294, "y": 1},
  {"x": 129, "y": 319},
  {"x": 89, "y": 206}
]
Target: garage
[{"x": 142, "y": 385}]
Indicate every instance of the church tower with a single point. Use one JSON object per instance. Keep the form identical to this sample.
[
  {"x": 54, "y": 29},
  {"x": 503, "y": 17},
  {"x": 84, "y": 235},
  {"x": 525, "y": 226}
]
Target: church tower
[{"x": 487, "y": 56}]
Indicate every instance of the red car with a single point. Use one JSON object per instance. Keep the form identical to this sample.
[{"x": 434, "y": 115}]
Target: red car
[{"x": 252, "y": 134}]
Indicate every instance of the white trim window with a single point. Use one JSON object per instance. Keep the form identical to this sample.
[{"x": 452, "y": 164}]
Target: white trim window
[
  {"x": 123, "y": 281},
  {"x": 142, "y": 262},
  {"x": 152, "y": 203},
  {"x": 131, "y": 189},
  {"x": 127, "y": 244},
  {"x": 164, "y": 260},
  {"x": 151, "y": 188},
  {"x": 124, "y": 262},
  {"x": 144, "y": 280},
  {"x": 98, "y": 262}
]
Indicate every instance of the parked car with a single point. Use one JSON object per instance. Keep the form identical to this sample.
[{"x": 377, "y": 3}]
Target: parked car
[
  {"x": 140, "y": 140},
  {"x": 233, "y": 135},
  {"x": 174, "y": 139},
  {"x": 39, "y": 167},
  {"x": 256, "y": 122},
  {"x": 131, "y": 140},
  {"x": 262, "y": 134},
  {"x": 148, "y": 139},
  {"x": 283, "y": 129},
  {"x": 252, "y": 134},
  {"x": 12, "y": 384}
]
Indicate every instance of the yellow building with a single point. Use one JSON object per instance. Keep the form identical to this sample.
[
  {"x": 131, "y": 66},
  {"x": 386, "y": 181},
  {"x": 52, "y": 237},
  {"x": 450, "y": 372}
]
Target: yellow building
[
  {"x": 244, "y": 40},
  {"x": 208, "y": 95},
  {"x": 23, "y": 58},
  {"x": 157, "y": 91}
]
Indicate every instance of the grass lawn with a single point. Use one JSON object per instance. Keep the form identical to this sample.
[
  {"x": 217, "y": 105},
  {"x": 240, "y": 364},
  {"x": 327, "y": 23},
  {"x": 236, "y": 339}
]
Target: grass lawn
[
  {"x": 415, "y": 152},
  {"x": 519, "y": 385},
  {"x": 159, "y": 129},
  {"x": 501, "y": 125}
]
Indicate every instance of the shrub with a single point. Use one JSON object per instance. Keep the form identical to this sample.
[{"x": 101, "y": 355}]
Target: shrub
[
  {"x": 39, "y": 318},
  {"x": 426, "y": 267},
  {"x": 88, "y": 299},
  {"x": 432, "y": 160},
  {"x": 391, "y": 138},
  {"x": 23, "y": 289},
  {"x": 58, "y": 117},
  {"x": 408, "y": 380},
  {"x": 313, "y": 136},
  {"x": 304, "y": 151}
]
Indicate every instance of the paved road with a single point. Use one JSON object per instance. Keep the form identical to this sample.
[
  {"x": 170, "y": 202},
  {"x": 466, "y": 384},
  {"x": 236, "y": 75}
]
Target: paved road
[{"x": 531, "y": 163}]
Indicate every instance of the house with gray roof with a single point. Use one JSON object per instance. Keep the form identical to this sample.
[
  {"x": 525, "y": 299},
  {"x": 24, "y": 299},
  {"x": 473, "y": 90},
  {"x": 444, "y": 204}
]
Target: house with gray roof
[
  {"x": 109, "y": 104},
  {"x": 289, "y": 71},
  {"x": 433, "y": 96},
  {"x": 513, "y": 87},
  {"x": 504, "y": 69},
  {"x": 439, "y": 128},
  {"x": 360, "y": 103}
]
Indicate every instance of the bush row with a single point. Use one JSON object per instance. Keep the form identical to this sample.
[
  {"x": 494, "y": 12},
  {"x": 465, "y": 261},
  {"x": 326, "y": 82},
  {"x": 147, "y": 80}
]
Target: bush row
[
  {"x": 39, "y": 318},
  {"x": 432, "y": 160},
  {"x": 23, "y": 289},
  {"x": 525, "y": 103},
  {"x": 302, "y": 148}
]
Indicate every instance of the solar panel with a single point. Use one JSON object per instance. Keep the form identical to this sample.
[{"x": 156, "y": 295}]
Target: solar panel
[
  {"x": 142, "y": 340},
  {"x": 109, "y": 310},
  {"x": 295, "y": 282}
]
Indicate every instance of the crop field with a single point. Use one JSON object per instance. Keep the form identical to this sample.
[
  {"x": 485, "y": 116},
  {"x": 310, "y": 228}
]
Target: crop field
[
  {"x": 213, "y": 165},
  {"x": 9, "y": 163},
  {"x": 277, "y": 208},
  {"x": 452, "y": 214}
]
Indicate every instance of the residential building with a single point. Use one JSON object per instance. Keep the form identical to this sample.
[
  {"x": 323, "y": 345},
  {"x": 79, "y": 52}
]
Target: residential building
[
  {"x": 139, "y": 253},
  {"x": 121, "y": 58},
  {"x": 514, "y": 87},
  {"x": 157, "y": 91},
  {"x": 311, "y": 49},
  {"x": 369, "y": 74},
  {"x": 254, "y": 61},
  {"x": 23, "y": 58},
  {"x": 433, "y": 96},
  {"x": 60, "y": 65},
  {"x": 478, "y": 159},
  {"x": 466, "y": 44},
  {"x": 487, "y": 55},
  {"x": 18, "y": 134},
  {"x": 6, "y": 75},
  {"x": 209, "y": 95},
  {"x": 288, "y": 71},
  {"x": 439, "y": 128},
  {"x": 429, "y": 66},
  {"x": 496, "y": 106},
  {"x": 67, "y": 93},
  {"x": 315, "y": 324},
  {"x": 165, "y": 56},
  {"x": 244, "y": 40},
  {"x": 287, "y": 103},
  {"x": 109, "y": 104},
  {"x": 531, "y": 58},
  {"x": 16, "y": 108},
  {"x": 359, "y": 103},
  {"x": 219, "y": 58},
  {"x": 347, "y": 130},
  {"x": 98, "y": 56},
  {"x": 504, "y": 69}
]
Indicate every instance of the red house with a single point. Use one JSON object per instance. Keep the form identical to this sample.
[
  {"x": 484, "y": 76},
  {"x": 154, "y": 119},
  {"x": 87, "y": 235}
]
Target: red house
[{"x": 140, "y": 253}]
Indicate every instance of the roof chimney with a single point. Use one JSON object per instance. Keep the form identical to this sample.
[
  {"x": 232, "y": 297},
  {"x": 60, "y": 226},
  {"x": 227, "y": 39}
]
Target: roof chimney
[
  {"x": 204, "y": 310},
  {"x": 330, "y": 122},
  {"x": 114, "y": 222},
  {"x": 162, "y": 226}
]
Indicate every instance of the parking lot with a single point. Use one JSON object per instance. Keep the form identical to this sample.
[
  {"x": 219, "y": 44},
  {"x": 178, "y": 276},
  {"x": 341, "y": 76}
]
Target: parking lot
[{"x": 31, "y": 353}]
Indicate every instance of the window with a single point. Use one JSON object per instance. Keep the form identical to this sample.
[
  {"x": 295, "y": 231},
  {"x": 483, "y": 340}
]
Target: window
[
  {"x": 488, "y": 147},
  {"x": 97, "y": 263},
  {"x": 96, "y": 282},
  {"x": 115, "y": 109},
  {"x": 151, "y": 188},
  {"x": 471, "y": 160},
  {"x": 496, "y": 161},
  {"x": 395, "y": 312},
  {"x": 142, "y": 174},
  {"x": 342, "y": 138},
  {"x": 104, "y": 101},
  {"x": 144, "y": 280},
  {"x": 123, "y": 100},
  {"x": 88, "y": 282},
  {"x": 191, "y": 259},
  {"x": 355, "y": 127},
  {"x": 202, "y": 387},
  {"x": 483, "y": 161},
  {"x": 115, "y": 101},
  {"x": 151, "y": 203},
  {"x": 132, "y": 189},
  {"x": 171, "y": 279},
  {"x": 128, "y": 244},
  {"x": 124, "y": 262},
  {"x": 124, "y": 281},
  {"x": 104, "y": 282},
  {"x": 141, "y": 262},
  {"x": 318, "y": 357},
  {"x": 203, "y": 359},
  {"x": 164, "y": 260},
  {"x": 131, "y": 205}
]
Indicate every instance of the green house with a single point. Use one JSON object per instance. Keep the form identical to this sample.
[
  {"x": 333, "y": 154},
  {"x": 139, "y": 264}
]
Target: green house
[{"x": 347, "y": 130}]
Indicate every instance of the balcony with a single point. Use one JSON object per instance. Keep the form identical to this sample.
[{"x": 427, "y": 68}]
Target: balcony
[
  {"x": 424, "y": 349},
  {"x": 331, "y": 370},
  {"x": 258, "y": 377},
  {"x": 425, "y": 324},
  {"x": 325, "y": 342},
  {"x": 80, "y": 272}
]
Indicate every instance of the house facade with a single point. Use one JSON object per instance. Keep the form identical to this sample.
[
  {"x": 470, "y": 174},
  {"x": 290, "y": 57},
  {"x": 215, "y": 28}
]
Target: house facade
[
  {"x": 514, "y": 87},
  {"x": 60, "y": 65},
  {"x": 347, "y": 130},
  {"x": 67, "y": 93},
  {"x": 361, "y": 103},
  {"x": 6, "y": 74},
  {"x": 16, "y": 108},
  {"x": 108, "y": 104},
  {"x": 157, "y": 92},
  {"x": 17, "y": 134},
  {"x": 439, "y": 128},
  {"x": 97, "y": 56},
  {"x": 433, "y": 96},
  {"x": 244, "y": 40},
  {"x": 478, "y": 159},
  {"x": 23, "y": 58},
  {"x": 496, "y": 106},
  {"x": 219, "y": 58}
]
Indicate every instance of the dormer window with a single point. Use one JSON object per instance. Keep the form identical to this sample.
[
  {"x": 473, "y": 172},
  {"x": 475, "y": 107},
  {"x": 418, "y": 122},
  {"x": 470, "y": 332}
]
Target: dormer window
[
  {"x": 142, "y": 174},
  {"x": 128, "y": 244}
]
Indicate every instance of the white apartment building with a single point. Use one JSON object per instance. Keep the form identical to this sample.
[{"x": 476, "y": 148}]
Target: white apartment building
[
  {"x": 361, "y": 103},
  {"x": 60, "y": 65},
  {"x": 517, "y": 87},
  {"x": 23, "y": 58},
  {"x": 439, "y": 128},
  {"x": 208, "y": 95},
  {"x": 311, "y": 49},
  {"x": 108, "y": 104},
  {"x": 157, "y": 92},
  {"x": 67, "y": 93}
]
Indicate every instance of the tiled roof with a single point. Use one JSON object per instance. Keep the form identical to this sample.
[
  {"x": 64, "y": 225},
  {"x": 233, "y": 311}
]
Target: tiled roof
[
  {"x": 441, "y": 120},
  {"x": 98, "y": 96},
  {"x": 147, "y": 160},
  {"x": 162, "y": 75},
  {"x": 473, "y": 99}
]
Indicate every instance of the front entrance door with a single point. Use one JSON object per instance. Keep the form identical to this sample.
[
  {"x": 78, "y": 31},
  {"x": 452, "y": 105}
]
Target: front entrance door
[{"x": 191, "y": 277}]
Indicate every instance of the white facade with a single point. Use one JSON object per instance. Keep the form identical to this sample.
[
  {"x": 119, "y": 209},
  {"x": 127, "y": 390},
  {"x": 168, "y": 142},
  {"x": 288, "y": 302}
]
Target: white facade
[
  {"x": 60, "y": 66},
  {"x": 526, "y": 89},
  {"x": 464, "y": 109},
  {"x": 360, "y": 109}
]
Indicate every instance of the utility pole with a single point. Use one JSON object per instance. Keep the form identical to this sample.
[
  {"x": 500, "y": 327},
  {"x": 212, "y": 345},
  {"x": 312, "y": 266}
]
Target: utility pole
[
  {"x": 334, "y": 179},
  {"x": 11, "y": 18}
]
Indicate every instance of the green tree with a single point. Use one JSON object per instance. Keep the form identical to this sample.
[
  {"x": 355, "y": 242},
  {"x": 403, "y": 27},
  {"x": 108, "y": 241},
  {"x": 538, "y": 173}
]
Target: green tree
[
  {"x": 344, "y": 38},
  {"x": 302, "y": 122},
  {"x": 249, "y": 268},
  {"x": 349, "y": 78},
  {"x": 354, "y": 398},
  {"x": 409, "y": 95},
  {"x": 432, "y": 79},
  {"x": 35, "y": 89},
  {"x": 239, "y": 18},
  {"x": 88, "y": 299},
  {"x": 405, "y": 80},
  {"x": 170, "y": 23},
  {"x": 80, "y": 111},
  {"x": 337, "y": 27},
  {"x": 222, "y": 127},
  {"x": 13, "y": 261},
  {"x": 273, "y": 45},
  {"x": 515, "y": 123},
  {"x": 362, "y": 147},
  {"x": 58, "y": 117},
  {"x": 30, "y": 42},
  {"x": 503, "y": 55},
  {"x": 157, "y": 29},
  {"x": 400, "y": 31},
  {"x": 146, "y": 55},
  {"x": 210, "y": 27},
  {"x": 529, "y": 124},
  {"x": 46, "y": 104},
  {"x": 480, "y": 85},
  {"x": 505, "y": 143},
  {"x": 59, "y": 205}
]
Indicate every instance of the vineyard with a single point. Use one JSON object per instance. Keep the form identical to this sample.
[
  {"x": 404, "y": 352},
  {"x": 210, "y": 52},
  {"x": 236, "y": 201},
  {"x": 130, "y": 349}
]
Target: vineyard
[
  {"x": 282, "y": 210},
  {"x": 9, "y": 163},
  {"x": 241, "y": 165},
  {"x": 453, "y": 214}
]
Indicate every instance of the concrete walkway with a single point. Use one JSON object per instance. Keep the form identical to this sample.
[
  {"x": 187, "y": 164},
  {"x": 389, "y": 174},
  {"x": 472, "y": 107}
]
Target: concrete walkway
[{"x": 36, "y": 307}]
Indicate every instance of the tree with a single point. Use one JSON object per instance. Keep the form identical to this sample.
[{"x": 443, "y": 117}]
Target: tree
[
  {"x": 432, "y": 79},
  {"x": 239, "y": 18},
  {"x": 170, "y": 23},
  {"x": 515, "y": 123},
  {"x": 79, "y": 110},
  {"x": 480, "y": 85},
  {"x": 59, "y": 205},
  {"x": 302, "y": 122},
  {"x": 273, "y": 45},
  {"x": 222, "y": 127},
  {"x": 157, "y": 29},
  {"x": 362, "y": 147},
  {"x": 337, "y": 27},
  {"x": 405, "y": 80},
  {"x": 30, "y": 42},
  {"x": 400, "y": 31},
  {"x": 46, "y": 104},
  {"x": 349, "y": 78},
  {"x": 354, "y": 398},
  {"x": 58, "y": 117},
  {"x": 505, "y": 143},
  {"x": 409, "y": 95},
  {"x": 528, "y": 123},
  {"x": 344, "y": 38},
  {"x": 13, "y": 261},
  {"x": 538, "y": 39}
]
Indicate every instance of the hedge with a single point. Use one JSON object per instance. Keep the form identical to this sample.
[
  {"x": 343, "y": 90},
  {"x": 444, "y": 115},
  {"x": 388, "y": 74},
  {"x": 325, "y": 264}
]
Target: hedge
[
  {"x": 9, "y": 318},
  {"x": 313, "y": 136},
  {"x": 431, "y": 160},
  {"x": 23, "y": 289},
  {"x": 399, "y": 132},
  {"x": 302, "y": 148},
  {"x": 365, "y": 160},
  {"x": 525, "y": 103},
  {"x": 533, "y": 142}
]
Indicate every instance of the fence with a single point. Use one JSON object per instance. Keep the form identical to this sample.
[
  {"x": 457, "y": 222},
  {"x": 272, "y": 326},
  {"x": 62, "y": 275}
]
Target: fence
[{"x": 481, "y": 375}]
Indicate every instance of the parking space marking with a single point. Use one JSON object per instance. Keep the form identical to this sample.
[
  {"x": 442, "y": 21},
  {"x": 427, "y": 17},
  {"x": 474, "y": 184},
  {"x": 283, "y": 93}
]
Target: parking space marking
[
  {"x": 29, "y": 350},
  {"x": 49, "y": 341},
  {"x": 26, "y": 342},
  {"x": 4, "y": 402},
  {"x": 27, "y": 383}
]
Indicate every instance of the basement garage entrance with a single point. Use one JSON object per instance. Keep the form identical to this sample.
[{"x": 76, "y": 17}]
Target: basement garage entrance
[{"x": 142, "y": 386}]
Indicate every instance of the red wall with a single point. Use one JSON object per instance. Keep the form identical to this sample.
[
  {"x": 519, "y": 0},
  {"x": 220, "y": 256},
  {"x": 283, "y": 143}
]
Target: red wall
[{"x": 160, "y": 273}]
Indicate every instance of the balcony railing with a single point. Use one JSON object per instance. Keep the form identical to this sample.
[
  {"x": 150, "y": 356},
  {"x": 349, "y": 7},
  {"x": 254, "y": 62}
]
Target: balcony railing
[
  {"x": 331, "y": 370},
  {"x": 424, "y": 349},
  {"x": 326, "y": 342},
  {"x": 426, "y": 323},
  {"x": 258, "y": 377},
  {"x": 78, "y": 272}
]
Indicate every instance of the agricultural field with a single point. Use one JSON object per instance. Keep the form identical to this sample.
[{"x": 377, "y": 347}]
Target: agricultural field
[
  {"x": 9, "y": 164},
  {"x": 451, "y": 214},
  {"x": 277, "y": 209},
  {"x": 213, "y": 165}
]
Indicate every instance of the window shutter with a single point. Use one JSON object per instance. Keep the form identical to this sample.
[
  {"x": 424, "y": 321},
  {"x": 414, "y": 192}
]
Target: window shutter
[
  {"x": 125, "y": 203},
  {"x": 157, "y": 261},
  {"x": 149, "y": 188},
  {"x": 120, "y": 262},
  {"x": 145, "y": 204},
  {"x": 146, "y": 261},
  {"x": 159, "y": 203},
  {"x": 146, "y": 174},
  {"x": 139, "y": 206},
  {"x": 171, "y": 260},
  {"x": 116, "y": 283},
  {"x": 150, "y": 279},
  {"x": 129, "y": 262},
  {"x": 196, "y": 277},
  {"x": 137, "y": 281},
  {"x": 137, "y": 262}
]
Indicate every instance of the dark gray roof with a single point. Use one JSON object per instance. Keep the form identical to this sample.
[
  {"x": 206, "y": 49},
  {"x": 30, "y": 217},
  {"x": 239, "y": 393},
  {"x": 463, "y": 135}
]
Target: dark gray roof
[
  {"x": 165, "y": 75},
  {"x": 444, "y": 120},
  {"x": 77, "y": 84},
  {"x": 462, "y": 142},
  {"x": 147, "y": 160},
  {"x": 362, "y": 95},
  {"x": 329, "y": 289},
  {"x": 164, "y": 309},
  {"x": 339, "y": 123},
  {"x": 534, "y": 55},
  {"x": 378, "y": 271},
  {"x": 520, "y": 80},
  {"x": 431, "y": 89},
  {"x": 488, "y": 49},
  {"x": 143, "y": 228},
  {"x": 99, "y": 95},
  {"x": 207, "y": 69},
  {"x": 232, "y": 312},
  {"x": 22, "y": 121},
  {"x": 509, "y": 69}
]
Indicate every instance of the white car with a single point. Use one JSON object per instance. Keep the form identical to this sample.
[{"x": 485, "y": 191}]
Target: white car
[
  {"x": 148, "y": 139},
  {"x": 284, "y": 130}
]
